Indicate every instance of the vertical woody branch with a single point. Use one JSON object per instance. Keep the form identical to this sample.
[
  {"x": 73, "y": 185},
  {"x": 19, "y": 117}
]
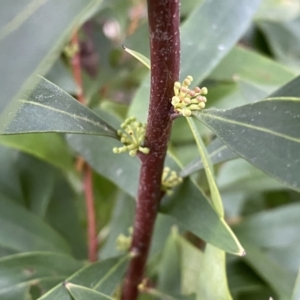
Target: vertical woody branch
[{"x": 163, "y": 17}]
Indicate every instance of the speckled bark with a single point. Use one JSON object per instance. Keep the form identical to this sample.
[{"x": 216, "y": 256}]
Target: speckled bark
[{"x": 163, "y": 17}]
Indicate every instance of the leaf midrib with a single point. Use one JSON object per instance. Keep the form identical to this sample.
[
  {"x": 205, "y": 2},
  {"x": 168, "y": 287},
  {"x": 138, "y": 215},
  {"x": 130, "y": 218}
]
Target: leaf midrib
[
  {"x": 74, "y": 116},
  {"x": 258, "y": 128}
]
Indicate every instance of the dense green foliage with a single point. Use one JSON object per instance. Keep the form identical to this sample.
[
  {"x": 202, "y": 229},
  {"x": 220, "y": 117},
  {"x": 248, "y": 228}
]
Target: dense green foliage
[{"x": 239, "y": 158}]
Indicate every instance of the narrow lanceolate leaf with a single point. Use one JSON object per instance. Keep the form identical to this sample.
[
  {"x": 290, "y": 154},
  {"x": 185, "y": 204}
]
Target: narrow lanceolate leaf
[
  {"x": 143, "y": 59},
  {"x": 28, "y": 43},
  {"x": 51, "y": 148},
  {"x": 205, "y": 38},
  {"x": 21, "y": 230},
  {"x": 79, "y": 292},
  {"x": 20, "y": 272},
  {"x": 193, "y": 211},
  {"x": 103, "y": 276},
  {"x": 197, "y": 266},
  {"x": 50, "y": 109},
  {"x": 265, "y": 133},
  {"x": 296, "y": 290},
  {"x": 214, "y": 192},
  {"x": 217, "y": 151}
]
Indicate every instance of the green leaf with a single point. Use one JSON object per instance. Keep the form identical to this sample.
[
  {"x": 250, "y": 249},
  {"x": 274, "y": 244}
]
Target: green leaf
[
  {"x": 50, "y": 109},
  {"x": 20, "y": 272},
  {"x": 143, "y": 59},
  {"x": 50, "y": 147},
  {"x": 103, "y": 276},
  {"x": 121, "y": 221},
  {"x": 264, "y": 235},
  {"x": 296, "y": 290},
  {"x": 121, "y": 169},
  {"x": 278, "y": 10},
  {"x": 280, "y": 280},
  {"x": 214, "y": 191},
  {"x": 26, "y": 23},
  {"x": 62, "y": 200},
  {"x": 264, "y": 133},
  {"x": 217, "y": 152},
  {"x": 23, "y": 231},
  {"x": 198, "y": 266},
  {"x": 274, "y": 228},
  {"x": 37, "y": 180},
  {"x": 242, "y": 64},
  {"x": 284, "y": 41},
  {"x": 291, "y": 89},
  {"x": 169, "y": 272},
  {"x": 193, "y": 211},
  {"x": 82, "y": 293},
  {"x": 202, "y": 51}
]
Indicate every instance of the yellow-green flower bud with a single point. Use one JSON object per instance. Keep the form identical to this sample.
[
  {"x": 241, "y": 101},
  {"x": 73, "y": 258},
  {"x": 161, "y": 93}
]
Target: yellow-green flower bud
[
  {"x": 204, "y": 91},
  {"x": 201, "y": 105},
  {"x": 186, "y": 112},
  {"x": 187, "y": 100}
]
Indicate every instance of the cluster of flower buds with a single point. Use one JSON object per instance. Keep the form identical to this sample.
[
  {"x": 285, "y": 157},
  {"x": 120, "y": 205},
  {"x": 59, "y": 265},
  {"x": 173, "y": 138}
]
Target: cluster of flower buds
[
  {"x": 186, "y": 100},
  {"x": 169, "y": 180},
  {"x": 123, "y": 241},
  {"x": 132, "y": 135}
]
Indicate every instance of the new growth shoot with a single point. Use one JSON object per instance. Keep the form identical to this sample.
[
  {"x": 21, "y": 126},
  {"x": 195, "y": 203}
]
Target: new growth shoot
[{"x": 186, "y": 100}]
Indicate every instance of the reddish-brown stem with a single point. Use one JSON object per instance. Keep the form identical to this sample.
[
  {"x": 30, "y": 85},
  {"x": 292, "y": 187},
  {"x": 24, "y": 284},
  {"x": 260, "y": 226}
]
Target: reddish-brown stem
[
  {"x": 163, "y": 16},
  {"x": 89, "y": 200},
  {"x": 88, "y": 182}
]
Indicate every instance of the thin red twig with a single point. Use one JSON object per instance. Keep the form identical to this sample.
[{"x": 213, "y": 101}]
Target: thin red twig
[
  {"x": 91, "y": 218},
  {"x": 88, "y": 181}
]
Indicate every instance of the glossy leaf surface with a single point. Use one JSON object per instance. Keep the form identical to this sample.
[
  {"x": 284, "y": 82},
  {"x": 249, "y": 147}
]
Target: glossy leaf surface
[
  {"x": 264, "y": 133},
  {"x": 194, "y": 212},
  {"x": 264, "y": 235},
  {"x": 50, "y": 109},
  {"x": 26, "y": 232},
  {"x": 50, "y": 147},
  {"x": 196, "y": 265},
  {"x": 217, "y": 152},
  {"x": 242, "y": 64},
  {"x": 21, "y": 272},
  {"x": 202, "y": 51},
  {"x": 296, "y": 290},
  {"x": 103, "y": 276},
  {"x": 213, "y": 189},
  {"x": 82, "y": 293},
  {"x": 26, "y": 23}
]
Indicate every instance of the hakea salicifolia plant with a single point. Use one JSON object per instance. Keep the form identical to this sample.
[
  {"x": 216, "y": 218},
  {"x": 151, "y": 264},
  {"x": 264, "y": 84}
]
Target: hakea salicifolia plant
[
  {"x": 132, "y": 135},
  {"x": 185, "y": 100}
]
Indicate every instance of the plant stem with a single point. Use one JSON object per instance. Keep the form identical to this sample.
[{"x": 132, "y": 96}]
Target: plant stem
[
  {"x": 163, "y": 17},
  {"x": 91, "y": 219},
  {"x": 87, "y": 171}
]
